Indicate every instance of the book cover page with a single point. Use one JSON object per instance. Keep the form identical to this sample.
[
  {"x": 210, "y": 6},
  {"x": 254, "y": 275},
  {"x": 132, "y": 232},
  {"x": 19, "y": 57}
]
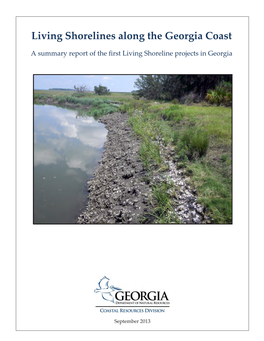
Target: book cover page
[{"x": 132, "y": 173}]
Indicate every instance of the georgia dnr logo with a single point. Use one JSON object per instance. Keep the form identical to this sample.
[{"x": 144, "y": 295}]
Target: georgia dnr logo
[
  {"x": 105, "y": 290},
  {"x": 117, "y": 295}
]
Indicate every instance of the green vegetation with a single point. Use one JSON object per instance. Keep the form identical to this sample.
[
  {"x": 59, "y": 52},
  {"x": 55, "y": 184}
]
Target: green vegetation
[
  {"x": 194, "y": 141},
  {"x": 163, "y": 212},
  {"x": 185, "y": 88},
  {"x": 94, "y": 105},
  {"x": 101, "y": 90},
  {"x": 179, "y": 113},
  {"x": 222, "y": 94},
  {"x": 214, "y": 187},
  {"x": 201, "y": 138}
]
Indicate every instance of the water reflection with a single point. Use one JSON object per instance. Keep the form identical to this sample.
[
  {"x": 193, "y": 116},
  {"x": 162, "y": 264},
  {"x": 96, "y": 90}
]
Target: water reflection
[{"x": 67, "y": 148}]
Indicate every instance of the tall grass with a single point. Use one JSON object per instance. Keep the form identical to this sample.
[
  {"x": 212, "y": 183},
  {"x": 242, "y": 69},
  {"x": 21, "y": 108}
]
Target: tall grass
[
  {"x": 97, "y": 106},
  {"x": 173, "y": 113},
  {"x": 201, "y": 137},
  {"x": 163, "y": 211},
  {"x": 215, "y": 190},
  {"x": 196, "y": 142}
]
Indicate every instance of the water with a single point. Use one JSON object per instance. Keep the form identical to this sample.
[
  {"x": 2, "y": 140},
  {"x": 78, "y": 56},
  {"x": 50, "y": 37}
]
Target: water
[{"x": 67, "y": 148}]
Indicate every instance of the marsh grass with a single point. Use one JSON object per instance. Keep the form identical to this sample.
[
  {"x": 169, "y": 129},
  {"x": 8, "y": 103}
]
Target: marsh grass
[
  {"x": 96, "y": 106},
  {"x": 163, "y": 212},
  {"x": 195, "y": 141},
  {"x": 202, "y": 137},
  {"x": 215, "y": 190},
  {"x": 173, "y": 113},
  {"x": 216, "y": 120}
]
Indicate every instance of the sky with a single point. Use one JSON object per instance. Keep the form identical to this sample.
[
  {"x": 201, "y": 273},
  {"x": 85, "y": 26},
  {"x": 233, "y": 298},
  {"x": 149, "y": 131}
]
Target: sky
[{"x": 118, "y": 83}]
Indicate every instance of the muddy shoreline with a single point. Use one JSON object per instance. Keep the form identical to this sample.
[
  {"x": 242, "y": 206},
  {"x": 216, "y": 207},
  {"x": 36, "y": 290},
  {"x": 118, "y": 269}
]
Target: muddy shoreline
[{"x": 117, "y": 194}]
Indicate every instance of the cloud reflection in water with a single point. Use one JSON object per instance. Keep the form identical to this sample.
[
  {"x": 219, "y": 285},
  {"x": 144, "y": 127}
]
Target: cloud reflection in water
[
  {"x": 61, "y": 135},
  {"x": 67, "y": 149}
]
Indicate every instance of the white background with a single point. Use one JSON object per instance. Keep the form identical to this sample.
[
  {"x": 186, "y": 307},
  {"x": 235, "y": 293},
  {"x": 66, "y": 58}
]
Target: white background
[
  {"x": 202, "y": 268},
  {"x": 7, "y": 314}
]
